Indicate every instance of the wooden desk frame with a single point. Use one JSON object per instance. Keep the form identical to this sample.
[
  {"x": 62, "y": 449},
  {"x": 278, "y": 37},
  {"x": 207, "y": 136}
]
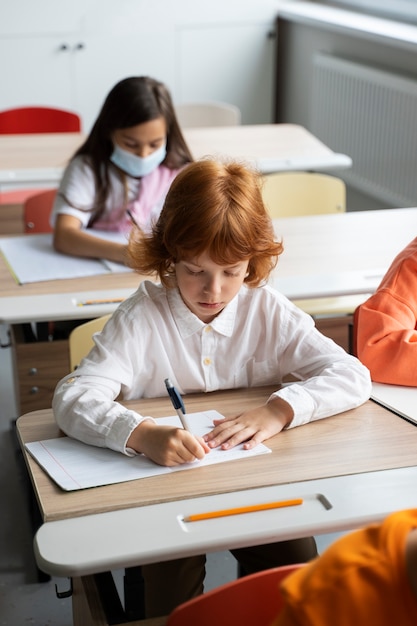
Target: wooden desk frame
[{"x": 353, "y": 468}]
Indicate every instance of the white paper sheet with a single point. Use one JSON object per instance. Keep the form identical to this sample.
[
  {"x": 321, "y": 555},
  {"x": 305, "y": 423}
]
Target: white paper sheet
[
  {"x": 75, "y": 465},
  {"x": 396, "y": 398},
  {"x": 32, "y": 259}
]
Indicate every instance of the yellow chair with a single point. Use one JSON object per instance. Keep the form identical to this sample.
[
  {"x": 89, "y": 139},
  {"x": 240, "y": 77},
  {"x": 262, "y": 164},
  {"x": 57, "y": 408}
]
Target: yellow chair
[
  {"x": 294, "y": 194},
  {"x": 194, "y": 114},
  {"x": 80, "y": 340},
  {"x": 290, "y": 194}
]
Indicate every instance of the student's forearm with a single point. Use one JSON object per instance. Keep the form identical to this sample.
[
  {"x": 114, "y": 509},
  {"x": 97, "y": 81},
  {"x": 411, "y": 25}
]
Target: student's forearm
[{"x": 80, "y": 243}]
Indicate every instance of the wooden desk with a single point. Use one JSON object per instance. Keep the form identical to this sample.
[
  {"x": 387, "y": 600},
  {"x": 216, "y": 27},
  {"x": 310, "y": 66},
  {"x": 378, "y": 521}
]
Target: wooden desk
[
  {"x": 365, "y": 439},
  {"x": 340, "y": 254},
  {"x": 351, "y": 469},
  {"x": 39, "y": 365},
  {"x": 26, "y": 160},
  {"x": 324, "y": 256}
]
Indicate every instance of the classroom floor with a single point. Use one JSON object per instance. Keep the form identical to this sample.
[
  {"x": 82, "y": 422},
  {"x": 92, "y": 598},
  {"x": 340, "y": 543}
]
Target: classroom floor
[{"x": 23, "y": 599}]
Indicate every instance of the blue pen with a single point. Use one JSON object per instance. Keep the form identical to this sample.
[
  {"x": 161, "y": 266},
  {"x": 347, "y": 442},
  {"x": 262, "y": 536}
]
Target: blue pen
[{"x": 177, "y": 402}]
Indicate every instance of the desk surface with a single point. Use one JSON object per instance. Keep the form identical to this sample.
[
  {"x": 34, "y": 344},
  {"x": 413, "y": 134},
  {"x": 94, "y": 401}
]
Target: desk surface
[
  {"x": 324, "y": 256},
  {"x": 337, "y": 465},
  {"x": 26, "y": 159},
  {"x": 366, "y": 439},
  {"x": 340, "y": 254}
]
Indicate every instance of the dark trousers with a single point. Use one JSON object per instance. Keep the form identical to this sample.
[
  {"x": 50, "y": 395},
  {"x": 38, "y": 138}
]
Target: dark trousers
[{"x": 171, "y": 583}]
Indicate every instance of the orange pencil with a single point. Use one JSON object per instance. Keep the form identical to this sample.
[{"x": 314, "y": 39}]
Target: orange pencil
[
  {"x": 243, "y": 509},
  {"x": 101, "y": 301}
]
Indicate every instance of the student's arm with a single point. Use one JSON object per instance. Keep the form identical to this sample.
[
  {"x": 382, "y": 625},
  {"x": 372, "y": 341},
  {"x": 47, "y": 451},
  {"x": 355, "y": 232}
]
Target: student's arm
[
  {"x": 251, "y": 427},
  {"x": 386, "y": 339},
  {"x": 70, "y": 238}
]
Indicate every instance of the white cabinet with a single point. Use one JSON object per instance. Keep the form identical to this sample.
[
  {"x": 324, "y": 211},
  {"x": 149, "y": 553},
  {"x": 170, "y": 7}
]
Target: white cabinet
[
  {"x": 74, "y": 72},
  {"x": 70, "y": 54},
  {"x": 39, "y": 71},
  {"x": 231, "y": 62}
]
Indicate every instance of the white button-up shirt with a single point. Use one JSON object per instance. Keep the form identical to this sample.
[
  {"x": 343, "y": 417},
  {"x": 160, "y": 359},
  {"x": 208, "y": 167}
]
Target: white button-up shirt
[{"x": 259, "y": 338}]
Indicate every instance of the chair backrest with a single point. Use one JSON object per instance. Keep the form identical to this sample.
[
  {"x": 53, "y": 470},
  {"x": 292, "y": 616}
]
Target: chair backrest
[
  {"x": 27, "y": 120},
  {"x": 248, "y": 601},
  {"x": 37, "y": 210},
  {"x": 80, "y": 340},
  {"x": 288, "y": 194},
  {"x": 194, "y": 114}
]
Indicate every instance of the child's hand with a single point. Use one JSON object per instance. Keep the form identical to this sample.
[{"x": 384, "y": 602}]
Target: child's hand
[
  {"x": 251, "y": 427},
  {"x": 167, "y": 445}
]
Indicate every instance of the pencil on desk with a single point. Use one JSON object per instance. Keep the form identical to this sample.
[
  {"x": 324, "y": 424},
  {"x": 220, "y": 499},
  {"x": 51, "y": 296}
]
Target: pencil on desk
[
  {"x": 243, "y": 509},
  {"x": 102, "y": 301}
]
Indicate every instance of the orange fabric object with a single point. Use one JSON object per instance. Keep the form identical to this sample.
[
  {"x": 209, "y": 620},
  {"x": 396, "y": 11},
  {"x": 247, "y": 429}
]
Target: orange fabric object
[
  {"x": 385, "y": 325},
  {"x": 359, "y": 580}
]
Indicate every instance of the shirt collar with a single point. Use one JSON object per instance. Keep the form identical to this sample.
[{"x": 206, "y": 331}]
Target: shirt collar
[{"x": 188, "y": 323}]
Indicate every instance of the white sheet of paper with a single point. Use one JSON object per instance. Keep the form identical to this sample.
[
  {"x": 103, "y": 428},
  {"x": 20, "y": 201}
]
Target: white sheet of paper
[
  {"x": 396, "y": 398},
  {"x": 32, "y": 259},
  {"x": 75, "y": 465}
]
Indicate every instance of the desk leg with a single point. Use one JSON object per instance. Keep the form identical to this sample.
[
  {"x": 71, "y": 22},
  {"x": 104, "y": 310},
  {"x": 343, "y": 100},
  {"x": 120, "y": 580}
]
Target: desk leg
[
  {"x": 87, "y": 606},
  {"x": 103, "y": 602},
  {"x": 84, "y": 593}
]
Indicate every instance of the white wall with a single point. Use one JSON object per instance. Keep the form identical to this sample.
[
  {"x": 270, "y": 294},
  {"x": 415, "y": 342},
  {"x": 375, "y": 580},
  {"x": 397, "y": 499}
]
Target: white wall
[{"x": 70, "y": 53}]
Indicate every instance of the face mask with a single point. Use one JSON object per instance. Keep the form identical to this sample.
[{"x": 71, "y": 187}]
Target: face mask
[{"x": 137, "y": 166}]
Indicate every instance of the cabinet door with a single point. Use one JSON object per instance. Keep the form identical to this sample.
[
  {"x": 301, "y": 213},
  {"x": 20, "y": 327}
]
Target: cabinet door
[
  {"x": 231, "y": 62},
  {"x": 105, "y": 60},
  {"x": 40, "y": 73}
]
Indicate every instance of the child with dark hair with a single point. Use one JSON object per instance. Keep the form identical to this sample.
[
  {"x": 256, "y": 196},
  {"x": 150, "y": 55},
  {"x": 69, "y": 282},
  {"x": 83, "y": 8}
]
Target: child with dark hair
[{"x": 122, "y": 172}]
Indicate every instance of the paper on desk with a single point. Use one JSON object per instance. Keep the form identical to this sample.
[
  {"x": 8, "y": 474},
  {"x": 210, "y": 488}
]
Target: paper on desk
[
  {"x": 75, "y": 465},
  {"x": 32, "y": 259}
]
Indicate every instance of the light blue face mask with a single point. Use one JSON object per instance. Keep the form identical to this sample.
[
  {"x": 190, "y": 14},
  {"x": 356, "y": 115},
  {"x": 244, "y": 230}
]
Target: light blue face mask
[{"x": 137, "y": 166}]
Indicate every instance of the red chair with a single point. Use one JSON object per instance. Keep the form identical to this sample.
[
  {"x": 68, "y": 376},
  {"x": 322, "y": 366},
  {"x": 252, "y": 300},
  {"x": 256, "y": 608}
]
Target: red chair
[
  {"x": 28, "y": 120},
  {"x": 31, "y": 120},
  {"x": 248, "y": 601},
  {"x": 37, "y": 210}
]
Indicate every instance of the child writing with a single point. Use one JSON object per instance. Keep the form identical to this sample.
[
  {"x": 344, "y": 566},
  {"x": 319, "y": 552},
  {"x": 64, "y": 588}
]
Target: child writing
[
  {"x": 212, "y": 323},
  {"x": 122, "y": 172}
]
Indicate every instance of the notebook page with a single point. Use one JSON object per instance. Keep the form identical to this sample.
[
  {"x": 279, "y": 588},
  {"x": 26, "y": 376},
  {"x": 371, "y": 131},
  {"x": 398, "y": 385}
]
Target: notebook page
[{"x": 75, "y": 465}]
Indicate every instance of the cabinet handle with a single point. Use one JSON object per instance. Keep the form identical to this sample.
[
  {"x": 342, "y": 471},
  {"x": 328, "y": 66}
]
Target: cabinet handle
[
  {"x": 33, "y": 371},
  {"x": 80, "y": 46},
  {"x": 34, "y": 390},
  {"x": 63, "y": 47}
]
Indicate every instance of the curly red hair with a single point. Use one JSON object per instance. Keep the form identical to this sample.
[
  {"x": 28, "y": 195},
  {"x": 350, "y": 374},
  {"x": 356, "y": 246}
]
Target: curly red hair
[{"x": 211, "y": 206}]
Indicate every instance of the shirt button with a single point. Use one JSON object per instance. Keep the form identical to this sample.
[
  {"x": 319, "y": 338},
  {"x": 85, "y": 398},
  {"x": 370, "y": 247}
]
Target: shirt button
[
  {"x": 207, "y": 361},
  {"x": 207, "y": 329}
]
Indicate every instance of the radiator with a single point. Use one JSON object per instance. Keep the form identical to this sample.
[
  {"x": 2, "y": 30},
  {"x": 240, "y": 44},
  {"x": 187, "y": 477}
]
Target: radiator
[{"x": 371, "y": 115}]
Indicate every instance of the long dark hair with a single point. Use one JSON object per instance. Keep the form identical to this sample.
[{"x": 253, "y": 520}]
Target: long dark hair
[{"x": 132, "y": 101}]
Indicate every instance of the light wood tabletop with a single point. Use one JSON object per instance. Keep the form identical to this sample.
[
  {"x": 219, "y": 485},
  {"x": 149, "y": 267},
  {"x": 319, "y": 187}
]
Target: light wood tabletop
[
  {"x": 40, "y": 158},
  {"x": 365, "y": 439},
  {"x": 360, "y": 245},
  {"x": 37, "y": 152}
]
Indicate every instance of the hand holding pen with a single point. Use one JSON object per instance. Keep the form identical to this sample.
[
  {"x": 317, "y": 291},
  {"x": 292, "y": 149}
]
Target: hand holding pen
[{"x": 168, "y": 445}]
